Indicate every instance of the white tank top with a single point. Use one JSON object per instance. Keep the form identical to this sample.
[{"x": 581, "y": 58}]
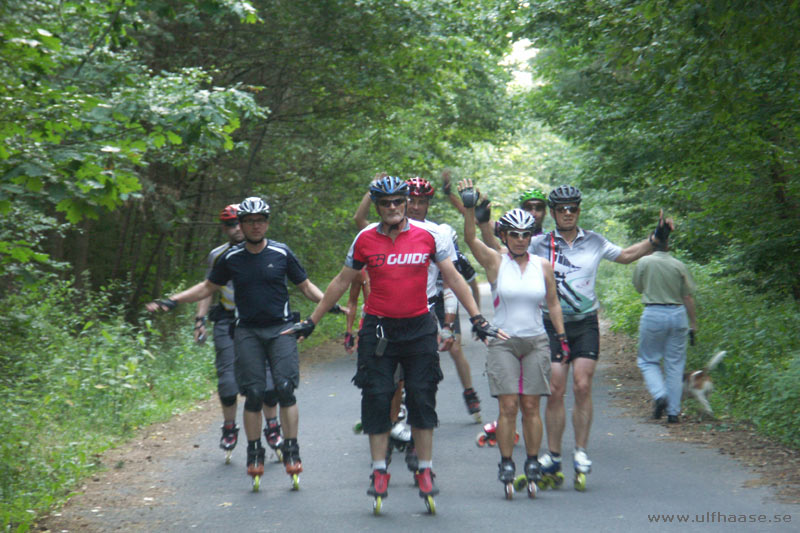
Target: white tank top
[{"x": 518, "y": 297}]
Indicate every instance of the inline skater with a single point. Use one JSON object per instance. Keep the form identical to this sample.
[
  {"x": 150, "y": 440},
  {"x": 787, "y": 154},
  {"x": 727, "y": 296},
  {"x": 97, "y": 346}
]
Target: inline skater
[
  {"x": 441, "y": 299},
  {"x": 575, "y": 255},
  {"x": 259, "y": 268},
  {"x": 223, "y": 316},
  {"x": 398, "y": 328},
  {"x": 519, "y": 367}
]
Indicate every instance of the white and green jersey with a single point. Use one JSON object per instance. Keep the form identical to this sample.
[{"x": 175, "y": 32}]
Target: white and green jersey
[{"x": 575, "y": 267}]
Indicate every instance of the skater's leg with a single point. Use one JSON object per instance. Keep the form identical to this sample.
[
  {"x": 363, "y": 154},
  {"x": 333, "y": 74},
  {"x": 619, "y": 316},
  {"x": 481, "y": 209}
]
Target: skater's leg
[
  {"x": 378, "y": 442},
  {"x": 290, "y": 417},
  {"x": 462, "y": 366},
  {"x": 507, "y": 423},
  {"x": 252, "y": 424},
  {"x": 531, "y": 423},
  {"x": 423, "y": 442},
  {"x": 555, "y": 413},
  {"x": 583, "y": 373}
]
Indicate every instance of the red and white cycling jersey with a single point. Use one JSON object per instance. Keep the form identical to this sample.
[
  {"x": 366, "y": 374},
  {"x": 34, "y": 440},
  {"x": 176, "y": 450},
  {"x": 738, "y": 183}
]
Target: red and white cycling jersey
[{"x": 398, "y": 271}]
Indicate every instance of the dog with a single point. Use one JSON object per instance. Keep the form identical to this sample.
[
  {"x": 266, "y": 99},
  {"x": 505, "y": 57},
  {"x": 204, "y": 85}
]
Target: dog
[{"x": 698, "y": 383}]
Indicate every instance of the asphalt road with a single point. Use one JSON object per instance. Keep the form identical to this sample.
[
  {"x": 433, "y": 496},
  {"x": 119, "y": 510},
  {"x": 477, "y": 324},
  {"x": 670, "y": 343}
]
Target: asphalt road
[{"x": 637, "y": 476}]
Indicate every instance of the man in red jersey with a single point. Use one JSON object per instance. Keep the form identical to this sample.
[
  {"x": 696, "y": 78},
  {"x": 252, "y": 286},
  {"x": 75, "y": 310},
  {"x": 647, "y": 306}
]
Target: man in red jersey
[{"x": 398, "y": 327}]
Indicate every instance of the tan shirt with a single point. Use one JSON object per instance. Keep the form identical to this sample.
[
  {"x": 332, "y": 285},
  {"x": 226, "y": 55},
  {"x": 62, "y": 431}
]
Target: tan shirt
[{"x": 662, "y": 279}]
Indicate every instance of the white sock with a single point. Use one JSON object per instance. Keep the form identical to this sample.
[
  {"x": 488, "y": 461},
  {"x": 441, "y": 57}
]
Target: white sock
[
  {"x": 425, "y": 464},
  {"x": 379, "y": 465}
]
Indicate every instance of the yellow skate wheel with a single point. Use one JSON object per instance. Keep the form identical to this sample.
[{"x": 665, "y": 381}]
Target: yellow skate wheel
[
  {"x": 430, "y": 504},
  {"x": 520, "y": 482},
  {"x": 477, "y": 417},
  {"x": 228, "y": 457},
  {"x": 256, "y": 483},
  {"x": 295, "y": 482},
  {"x": 376, "y": 505},
  {"x": 580, "y": 481}
]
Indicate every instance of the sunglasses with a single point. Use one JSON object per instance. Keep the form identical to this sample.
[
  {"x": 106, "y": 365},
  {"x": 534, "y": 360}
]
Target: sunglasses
[
  {"x": 567, "y": 209},
  {"x": 519, "y": 234},
  {"x": 533, "y": 206},
  {"x": 230, "y": 223},
  {"x": 254, "y": 221},
  {"x": 397, "y": 202}
]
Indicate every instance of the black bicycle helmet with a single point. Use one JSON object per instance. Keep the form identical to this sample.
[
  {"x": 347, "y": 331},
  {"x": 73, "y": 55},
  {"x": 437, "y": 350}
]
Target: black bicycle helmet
[
  {"x": 387, "y": 186},
  {"x": 253, "y": 206},
  {"x": 565, "y": 194},
  {"x": 516, "y": 219}
]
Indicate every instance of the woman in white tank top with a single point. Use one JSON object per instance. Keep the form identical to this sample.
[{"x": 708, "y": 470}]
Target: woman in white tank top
[{"x": 518, "y": 368}]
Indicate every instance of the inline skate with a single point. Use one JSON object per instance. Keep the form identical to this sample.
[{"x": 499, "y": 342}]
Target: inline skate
[
  {"x": 292, "y": 462},
  {"x": 531, "y": 478},
  {"x": 473, "y": 404},
  {"x": 583, "y": 466},
  {"x": 427, "y": 489},
  {"x": 230, "y": 436},
  {"x": 506, "y": 472},
  {"x": 272, "y": 434},
  {"x": 489, "y": 435},
  {"x": 255, "y": 465},
  {"x": 552, "y": 476},
  {"x": 378, "y": 488}
]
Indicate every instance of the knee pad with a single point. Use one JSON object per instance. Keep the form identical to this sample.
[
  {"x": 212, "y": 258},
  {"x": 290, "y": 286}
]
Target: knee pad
[
  {"x": 227, "y": 401},
  {"x": 271, "y": 398},
  {"x": 253, "y": 400},
  {"x": 285, "y": 391}
]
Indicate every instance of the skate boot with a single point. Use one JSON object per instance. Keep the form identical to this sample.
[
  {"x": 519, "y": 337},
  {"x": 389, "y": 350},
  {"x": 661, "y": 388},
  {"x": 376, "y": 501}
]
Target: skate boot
[
  {"x": 473, "y": 404},
  {"x": 400, "y": 436},
  {"x": 427, "y": 489},
  {"x": 583, "y": 466},
  {"x": 552, "y": 476},
  {"x": 230, "y": 436},
  {"x": 489, "y": 435},
  {"x": 255, "y": 465},
  {"x": 272, "y": 433},
  {"x": 412, "y": 461},
  {"x": 531, "y": 478},
  {"x": 378, "y": 488},
  {"x": 505, "y": 473},
  {"x": 291, "y": 461}
]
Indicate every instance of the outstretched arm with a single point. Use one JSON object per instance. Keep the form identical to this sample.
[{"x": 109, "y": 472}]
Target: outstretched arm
[
  {"x": 647, "y": 246},
  {"x": 204, "y": 289}
]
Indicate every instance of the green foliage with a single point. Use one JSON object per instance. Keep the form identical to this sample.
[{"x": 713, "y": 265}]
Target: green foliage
[
  {"x": 75, "y": 379},
  {"x": 687, "y": 106}
]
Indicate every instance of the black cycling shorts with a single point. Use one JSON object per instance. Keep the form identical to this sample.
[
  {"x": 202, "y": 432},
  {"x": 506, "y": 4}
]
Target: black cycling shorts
[{"x": 583, "y": 337}]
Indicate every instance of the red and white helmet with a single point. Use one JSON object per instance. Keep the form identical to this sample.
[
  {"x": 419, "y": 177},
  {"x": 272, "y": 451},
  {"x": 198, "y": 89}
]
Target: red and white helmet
[{"x": 229, "y": 213}]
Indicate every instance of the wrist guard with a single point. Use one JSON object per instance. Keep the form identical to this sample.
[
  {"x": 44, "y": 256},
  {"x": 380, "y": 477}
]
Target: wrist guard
[
  {"x": 303, "y": 328},
  {"x": 482, "y": 328}
]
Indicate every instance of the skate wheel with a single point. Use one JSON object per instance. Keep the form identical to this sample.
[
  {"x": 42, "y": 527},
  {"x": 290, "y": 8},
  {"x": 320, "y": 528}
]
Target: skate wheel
[
  {"x": 358, "y": 428},
  {"x": 430, "y": 504},
  {"x": 520, "y": 482},
  {"x": 532, "y": 490},
  {"x": 278, "y": 456},
  {"x": 516, "y": 438},
  {"x": 492, "y": 442},
  {"x": 376, "y": 505},
  {"x": 256, "y": 483},
  {"x": 580, "y": 481},
  {"x": 481, "y": 440},
  {"x": 295, "y": 482},
  {"x": 228, "y": 457},
  {"x": 477, "y": 417},
  {"x": 509, "y": 491}
]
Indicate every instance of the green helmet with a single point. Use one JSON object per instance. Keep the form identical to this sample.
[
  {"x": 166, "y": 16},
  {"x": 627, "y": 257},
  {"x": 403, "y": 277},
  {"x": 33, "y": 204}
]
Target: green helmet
[{"x": 532, "y": 194}]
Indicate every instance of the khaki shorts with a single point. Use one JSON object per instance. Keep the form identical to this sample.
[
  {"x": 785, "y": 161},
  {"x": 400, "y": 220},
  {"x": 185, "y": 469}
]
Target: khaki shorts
[{"x": 520, "y": 365}]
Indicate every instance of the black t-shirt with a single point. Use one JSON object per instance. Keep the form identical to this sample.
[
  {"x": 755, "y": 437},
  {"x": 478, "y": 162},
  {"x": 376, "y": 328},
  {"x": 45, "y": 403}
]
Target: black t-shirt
[{"x": 259, "y": 281}]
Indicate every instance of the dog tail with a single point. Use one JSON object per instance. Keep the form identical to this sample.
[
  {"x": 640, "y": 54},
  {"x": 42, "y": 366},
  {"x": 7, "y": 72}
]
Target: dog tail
[{"x": 715, "y": 360}]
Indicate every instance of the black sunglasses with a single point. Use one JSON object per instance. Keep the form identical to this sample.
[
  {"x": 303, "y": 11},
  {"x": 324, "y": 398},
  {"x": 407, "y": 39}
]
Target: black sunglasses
[
  {"x": 567, "y": 209},
  {"x": 396, "y": 202}
]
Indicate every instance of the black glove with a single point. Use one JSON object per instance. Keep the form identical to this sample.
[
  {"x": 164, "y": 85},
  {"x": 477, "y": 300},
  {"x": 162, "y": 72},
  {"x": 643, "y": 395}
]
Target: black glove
[
  {"x": 483, "y": 212},
  {"x": 563, "y": 353},
  {"x": 469, "y": 197},
  {"x": 662, "y": 231},
  {"x": 336, "y": 310},
  {"x": 349, "y": 340},
  {"x": 691, "y": 337},
  {"x": 301, "y": 329},
  {"x": 481, "y": 328},
  {"x": 446, "y": 188},
  {"x": 169, "y": 303}
]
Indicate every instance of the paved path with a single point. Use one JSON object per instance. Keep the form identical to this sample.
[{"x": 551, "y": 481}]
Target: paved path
[{"x": 637, "y": 475}]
